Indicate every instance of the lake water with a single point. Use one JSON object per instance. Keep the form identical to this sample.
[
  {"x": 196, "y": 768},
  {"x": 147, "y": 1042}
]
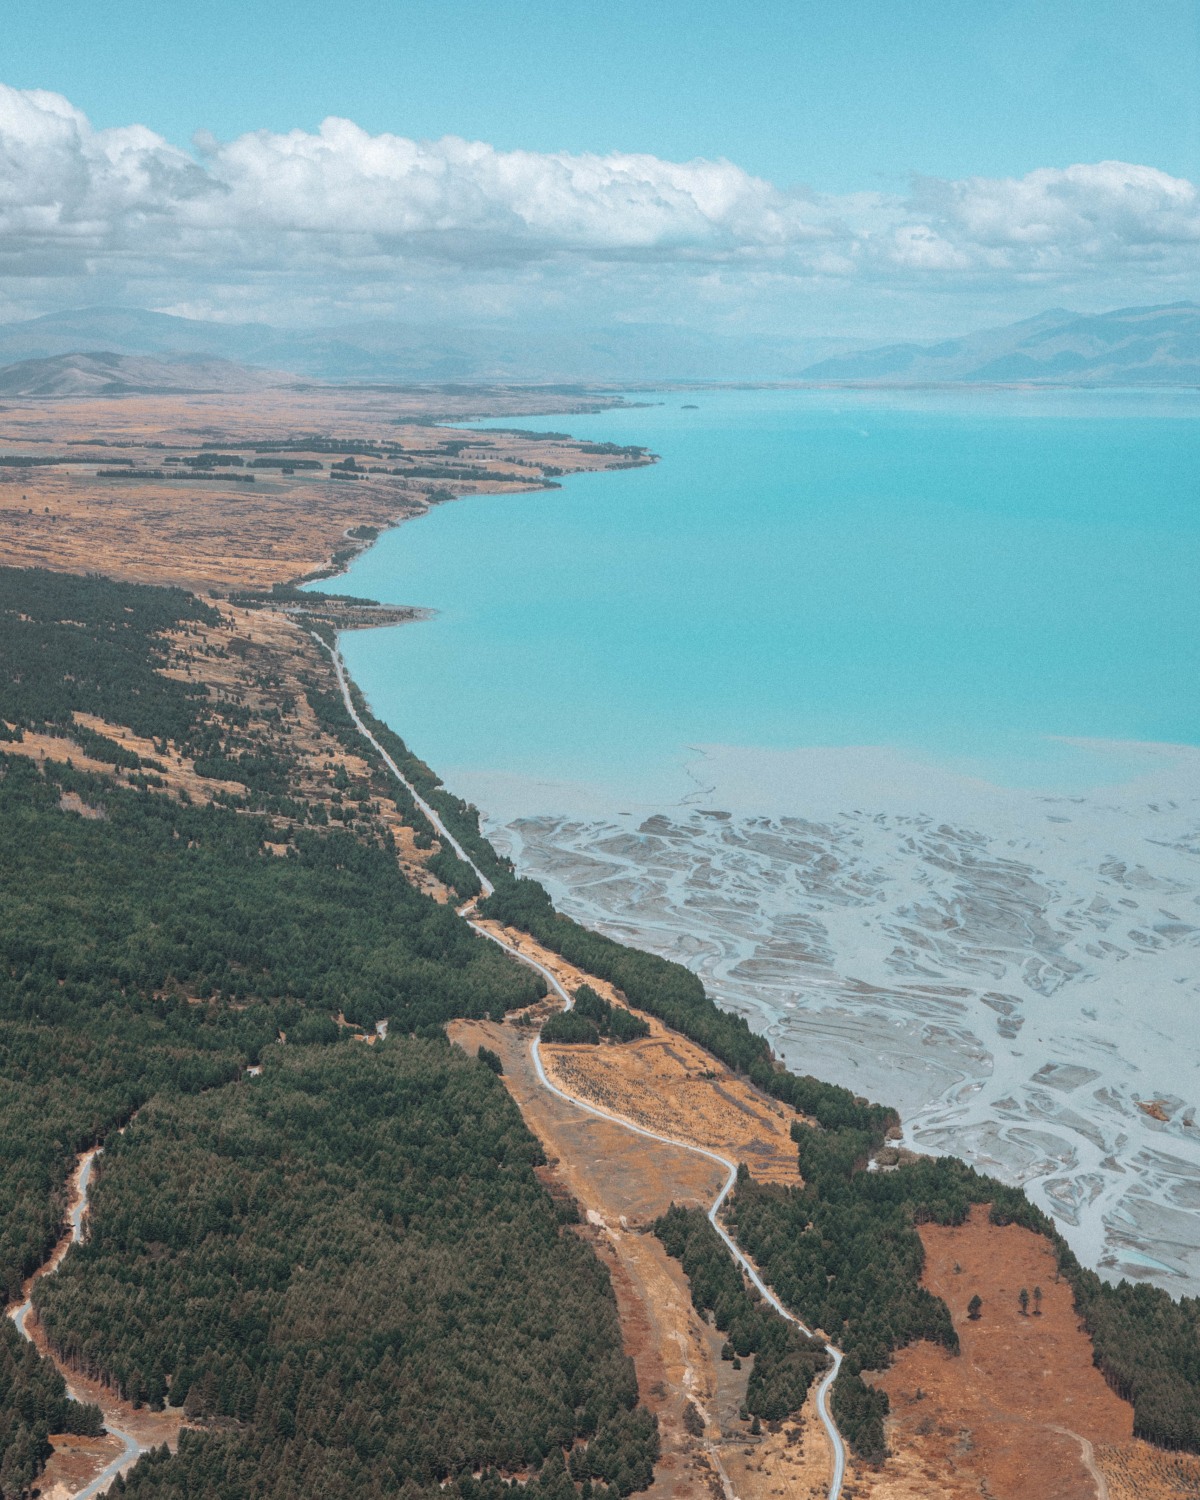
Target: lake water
[
  {"x": 962, "y": 578},
  {"x": 881, "y": 712}
]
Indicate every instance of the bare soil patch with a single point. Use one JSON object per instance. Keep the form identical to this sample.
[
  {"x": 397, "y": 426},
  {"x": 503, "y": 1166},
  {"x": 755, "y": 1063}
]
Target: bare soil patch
[
  {"x": 1017, "y": 1414},
  {"x": 73, "y": 802},
  {"x": 75, "y": 1462},
  {"x": 787, "y": 1459},
  {"x": 42, "y": 747}
]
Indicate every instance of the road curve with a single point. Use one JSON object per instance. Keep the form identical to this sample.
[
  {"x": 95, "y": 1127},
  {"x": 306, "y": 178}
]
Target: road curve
[
  {"x": 835, "y": 1438},
  {"x": 837, "y": 1447},
  {"x": 131, "y": 1448}
]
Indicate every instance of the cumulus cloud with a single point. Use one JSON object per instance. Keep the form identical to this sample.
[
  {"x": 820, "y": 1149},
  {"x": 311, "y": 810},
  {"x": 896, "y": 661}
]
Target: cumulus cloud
[
  {"x": 63, "y": 183},
  {"x": 126, "y": 205},
  {"x": 1101, "y": 211},
  {"x": 459, "y": 197}
]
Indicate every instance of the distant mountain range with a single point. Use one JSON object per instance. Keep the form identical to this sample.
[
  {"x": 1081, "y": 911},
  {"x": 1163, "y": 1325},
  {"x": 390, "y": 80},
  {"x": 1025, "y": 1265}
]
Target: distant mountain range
[
  {"x": 389, "y": 351},
  {"x": 127, "y": 375},
  {"x": 106, "y": 351},
  {"x": 1132, "y": 346}
]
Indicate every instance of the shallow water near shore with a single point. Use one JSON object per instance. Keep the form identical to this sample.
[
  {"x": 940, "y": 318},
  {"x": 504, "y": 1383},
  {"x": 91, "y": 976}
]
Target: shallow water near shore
[{"x": 880, "y": 711}]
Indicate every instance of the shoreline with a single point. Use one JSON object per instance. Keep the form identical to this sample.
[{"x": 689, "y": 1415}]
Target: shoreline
[
  {"x": 934, "y": 1061},
  {"x": 934, "y": 1028},
  {"x": 287, "y": 642}
]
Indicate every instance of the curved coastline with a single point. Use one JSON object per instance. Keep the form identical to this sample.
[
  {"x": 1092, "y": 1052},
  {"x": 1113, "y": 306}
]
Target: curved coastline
[
  {"x": 1010, "y": 965},
  {"x": 952, "y": 973}
]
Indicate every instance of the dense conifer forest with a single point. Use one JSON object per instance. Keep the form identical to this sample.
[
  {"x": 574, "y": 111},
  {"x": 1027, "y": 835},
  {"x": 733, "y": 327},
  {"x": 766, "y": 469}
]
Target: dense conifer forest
[
  {"x": 71, "y": 643},
  {"x": 345, "y": 1267},
  {"x": 592, "y": 1017},
  {"x": 407, "y": 1297}
]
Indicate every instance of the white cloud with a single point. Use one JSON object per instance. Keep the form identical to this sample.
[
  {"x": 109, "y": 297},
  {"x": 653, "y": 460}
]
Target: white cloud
[
  {"x": 1089, "y": 212},
  {"x": 452, "y": 193},
  {"x": 285, "y": 216}
]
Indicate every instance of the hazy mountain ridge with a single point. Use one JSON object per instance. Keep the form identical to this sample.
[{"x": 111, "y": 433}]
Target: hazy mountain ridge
[
  {"x": 1130, "y": 346},
  {"x": 108, "y": 374},
  {"x": 384, "y": 350},
  {"x": 161, "y": 352}
]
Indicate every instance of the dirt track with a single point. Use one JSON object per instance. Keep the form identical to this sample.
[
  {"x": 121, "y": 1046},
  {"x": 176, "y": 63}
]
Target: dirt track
[
  {"x": 77, "y": 1463},
  {"x": 622, "y": 1183}
]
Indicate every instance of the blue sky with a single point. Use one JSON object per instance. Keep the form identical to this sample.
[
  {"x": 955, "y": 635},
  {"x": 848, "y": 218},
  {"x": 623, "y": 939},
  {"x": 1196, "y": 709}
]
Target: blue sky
[
  {"x": 846, "y": 95},
  {"x": 860, "y": 132}
]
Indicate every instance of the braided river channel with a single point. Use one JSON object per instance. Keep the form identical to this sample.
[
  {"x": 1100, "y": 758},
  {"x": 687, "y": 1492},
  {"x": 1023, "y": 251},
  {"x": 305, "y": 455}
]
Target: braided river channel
[{"x": 881, "y": 711}]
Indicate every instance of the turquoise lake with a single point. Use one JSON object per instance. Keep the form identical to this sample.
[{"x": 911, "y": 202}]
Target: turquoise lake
[{"x": 967, "y": 578}]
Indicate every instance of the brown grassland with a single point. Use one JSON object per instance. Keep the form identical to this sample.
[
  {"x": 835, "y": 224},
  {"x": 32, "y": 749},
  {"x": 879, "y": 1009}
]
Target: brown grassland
[
  {"x": 218, "y": 533},
  {"x": 1020, "y": 1414}
]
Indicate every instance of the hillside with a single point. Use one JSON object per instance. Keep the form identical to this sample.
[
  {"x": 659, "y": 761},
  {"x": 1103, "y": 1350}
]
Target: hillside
[
  {"x": 149, "y": 351},
  {"x": 1131, "y": 346},
  {"x": 386, "y": 350},
  {"x": 108, "y": 374}
]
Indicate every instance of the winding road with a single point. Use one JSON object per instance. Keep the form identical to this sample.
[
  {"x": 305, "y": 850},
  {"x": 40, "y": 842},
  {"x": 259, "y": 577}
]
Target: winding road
[
  {"x": 131, "y": 1448},
  {"x": 837, "y": 1446}
]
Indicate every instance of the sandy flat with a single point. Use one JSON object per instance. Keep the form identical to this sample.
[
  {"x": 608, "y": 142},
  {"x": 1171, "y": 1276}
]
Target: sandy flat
[{"x": 1018, "y": 973}]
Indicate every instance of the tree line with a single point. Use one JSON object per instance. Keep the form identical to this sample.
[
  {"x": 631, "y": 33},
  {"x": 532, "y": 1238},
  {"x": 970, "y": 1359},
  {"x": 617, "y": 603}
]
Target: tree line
[
  {"x": 592, "y": 1017},
  {"x": 786, "y": 1361}
]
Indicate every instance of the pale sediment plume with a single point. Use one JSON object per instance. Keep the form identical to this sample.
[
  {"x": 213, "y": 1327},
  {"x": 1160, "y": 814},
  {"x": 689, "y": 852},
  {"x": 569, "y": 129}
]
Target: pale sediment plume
[{"x": 1018, "y": 972}]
